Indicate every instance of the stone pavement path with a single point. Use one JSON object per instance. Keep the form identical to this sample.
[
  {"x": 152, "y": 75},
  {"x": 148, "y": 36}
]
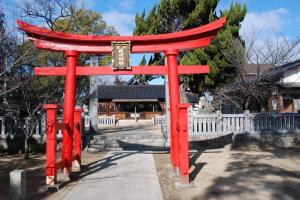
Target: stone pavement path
[{"x": 129, "y": 175}]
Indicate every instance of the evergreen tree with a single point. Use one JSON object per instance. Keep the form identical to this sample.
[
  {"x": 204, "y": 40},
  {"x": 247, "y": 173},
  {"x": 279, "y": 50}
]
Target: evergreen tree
[{"x": 177, "y": 15}]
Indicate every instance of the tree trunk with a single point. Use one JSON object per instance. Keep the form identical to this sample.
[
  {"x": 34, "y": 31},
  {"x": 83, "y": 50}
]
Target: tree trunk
[
  {"x": 26, "y": 148},
  {"x": 246, "y": 104}
]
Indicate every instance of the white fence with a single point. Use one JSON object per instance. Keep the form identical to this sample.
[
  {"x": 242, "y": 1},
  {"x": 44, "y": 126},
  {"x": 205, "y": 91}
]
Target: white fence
[
  {"x": 106, "y": 121},
  {"x": 218, "y": 123},
  {"x": 159, "y": 120}
]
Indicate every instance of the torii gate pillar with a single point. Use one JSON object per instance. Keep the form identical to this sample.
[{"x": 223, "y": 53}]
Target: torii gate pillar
[
  {"x": 69, "y": 104},
  {"x": 174, "y": 101}
]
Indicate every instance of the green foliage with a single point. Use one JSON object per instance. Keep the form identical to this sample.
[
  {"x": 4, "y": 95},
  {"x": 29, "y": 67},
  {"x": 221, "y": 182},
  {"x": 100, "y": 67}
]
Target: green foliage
[
  {"x": 221, "y": 72},
  {"x": 176, "y": 15}
]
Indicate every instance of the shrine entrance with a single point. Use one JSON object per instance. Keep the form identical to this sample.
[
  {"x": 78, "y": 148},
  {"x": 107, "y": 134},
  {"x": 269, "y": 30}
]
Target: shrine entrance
[{"x": 120, "y": 47}]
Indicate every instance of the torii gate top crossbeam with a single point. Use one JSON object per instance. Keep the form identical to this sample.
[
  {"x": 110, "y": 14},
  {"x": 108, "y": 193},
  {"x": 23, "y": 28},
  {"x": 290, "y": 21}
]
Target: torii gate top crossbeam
[{"x": 58, "y": 41}]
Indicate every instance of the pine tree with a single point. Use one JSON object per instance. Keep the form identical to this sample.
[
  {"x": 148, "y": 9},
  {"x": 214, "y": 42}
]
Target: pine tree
[{"x": 177, "y": 15}]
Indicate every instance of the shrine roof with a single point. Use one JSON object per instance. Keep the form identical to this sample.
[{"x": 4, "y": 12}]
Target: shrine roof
[
  {"x": 137, "y": 93},
  {"x": 131, "y": 92}
]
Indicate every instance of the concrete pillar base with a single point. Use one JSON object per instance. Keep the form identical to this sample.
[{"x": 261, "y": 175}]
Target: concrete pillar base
[
  {"x": 50, "y": 180},
  {"x": 184, "y": 183},
  {"x": 76, "y": 166},
  {"x": 17, "y": 185}
]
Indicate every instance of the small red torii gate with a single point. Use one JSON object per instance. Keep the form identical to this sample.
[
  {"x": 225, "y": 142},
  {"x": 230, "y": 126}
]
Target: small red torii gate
[{"x": 170, "y": 44}]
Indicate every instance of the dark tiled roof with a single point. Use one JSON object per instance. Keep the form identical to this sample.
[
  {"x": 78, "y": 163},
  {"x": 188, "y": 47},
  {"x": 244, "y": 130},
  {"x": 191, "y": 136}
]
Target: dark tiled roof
[
  {"x": 131, "y": 92},
  {"x": 276, "y": 72}
]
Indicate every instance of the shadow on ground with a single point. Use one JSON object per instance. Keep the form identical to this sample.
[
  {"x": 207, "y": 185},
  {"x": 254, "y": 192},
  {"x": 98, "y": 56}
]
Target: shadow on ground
[
  {"x": 218, "y": 141},
  {"x": 35, "y": 174},
  {"x": 253, "y": 174},
  {"x": 144, "y": 147}
]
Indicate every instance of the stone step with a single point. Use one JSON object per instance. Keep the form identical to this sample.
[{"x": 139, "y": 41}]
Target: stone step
[
  {"x": 115, "y": 144},
  {"x": 114, "y": 132},
  {"x": 123, "y": 137},
  {"x": 130, "y": 140},
  {"x": 135, "y": 136},
  {"x": 127, "y": 141},
  {"x": 123, "y": 129},
  {"x": 128, "y": 147},
  {"x": 159, "y": 148}
]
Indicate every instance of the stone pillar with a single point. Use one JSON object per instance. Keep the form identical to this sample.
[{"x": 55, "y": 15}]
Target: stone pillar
[
  {"x": 17, "y": 185},
  {"x": 93, "y": 98},
  {"x": 247, "y": 121},
  {"x": 167, "y": 106},
  {"x": 190, "y": 121},
  {"x": 219, "y": 121}
]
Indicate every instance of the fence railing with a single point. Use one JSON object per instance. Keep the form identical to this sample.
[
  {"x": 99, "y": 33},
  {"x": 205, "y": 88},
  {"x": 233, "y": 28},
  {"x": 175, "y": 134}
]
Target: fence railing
[
  {"x": 159, "y": 120},
  {"x": 15, "y": 127},
  {"x": 218, "y": 123},
  {"x": 106, "y": 121}
]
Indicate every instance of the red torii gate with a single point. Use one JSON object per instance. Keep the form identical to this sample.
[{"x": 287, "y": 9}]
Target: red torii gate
[{"x": 169, "y": 44}]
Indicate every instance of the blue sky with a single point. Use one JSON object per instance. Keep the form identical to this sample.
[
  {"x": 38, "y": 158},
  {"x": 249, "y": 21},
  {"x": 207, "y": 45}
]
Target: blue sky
[{"x": 267, "y": 16}]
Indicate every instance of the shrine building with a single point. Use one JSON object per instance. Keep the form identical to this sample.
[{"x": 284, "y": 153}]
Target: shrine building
[{"x": 128, "y": 101}]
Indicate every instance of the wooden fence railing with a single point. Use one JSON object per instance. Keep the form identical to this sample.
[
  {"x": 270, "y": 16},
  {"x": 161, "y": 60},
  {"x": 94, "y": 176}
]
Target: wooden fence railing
[{"x": 218, "y": 123}]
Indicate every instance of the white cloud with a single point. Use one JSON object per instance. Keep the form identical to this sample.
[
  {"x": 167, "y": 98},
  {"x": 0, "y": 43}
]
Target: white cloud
[
  {"x": 127, "y": 4},
  {"x": 264, "y": 22},
  {"x": 123, "y": 22}
]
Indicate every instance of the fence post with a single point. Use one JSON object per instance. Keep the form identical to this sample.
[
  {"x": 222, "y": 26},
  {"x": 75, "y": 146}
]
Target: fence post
[
  {"x": 87, "y": 122},
  {"x": 183, "y": 160},
  {"x": 3, "y": 126},
  {"x": 77, "y": 139},
  {"x": 17, "y": 185},
  {"x": 247, "y": 122},
  {"x": 190, "y": 120},
  {"x": 219, "y": 121},
  {"x": 51, "y": 130}
]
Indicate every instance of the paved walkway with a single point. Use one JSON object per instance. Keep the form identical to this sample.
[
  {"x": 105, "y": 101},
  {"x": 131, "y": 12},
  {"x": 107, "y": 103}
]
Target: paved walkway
[{"x": 120, "y": 175}]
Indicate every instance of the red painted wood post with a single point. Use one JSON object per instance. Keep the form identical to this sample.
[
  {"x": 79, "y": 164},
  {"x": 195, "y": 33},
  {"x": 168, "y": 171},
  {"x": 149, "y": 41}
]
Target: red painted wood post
[
  {"x": 174, "y": 101},
  {"x": 77, "y": 139},
  {"x": 69, "y": 104},
  {"x": 51, "y": 131},
  {"x": 184, "y": 143}
]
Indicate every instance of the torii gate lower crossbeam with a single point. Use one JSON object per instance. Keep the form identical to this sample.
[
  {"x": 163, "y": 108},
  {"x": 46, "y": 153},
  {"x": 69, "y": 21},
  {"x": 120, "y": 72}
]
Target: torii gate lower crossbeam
[{"x": 169, "y": 44}]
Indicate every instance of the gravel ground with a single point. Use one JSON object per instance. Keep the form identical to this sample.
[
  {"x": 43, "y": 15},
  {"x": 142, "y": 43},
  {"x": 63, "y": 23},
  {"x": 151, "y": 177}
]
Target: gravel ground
[
  {"x": 236, "y": 174},
  {"x": 223, "y": 173}
]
